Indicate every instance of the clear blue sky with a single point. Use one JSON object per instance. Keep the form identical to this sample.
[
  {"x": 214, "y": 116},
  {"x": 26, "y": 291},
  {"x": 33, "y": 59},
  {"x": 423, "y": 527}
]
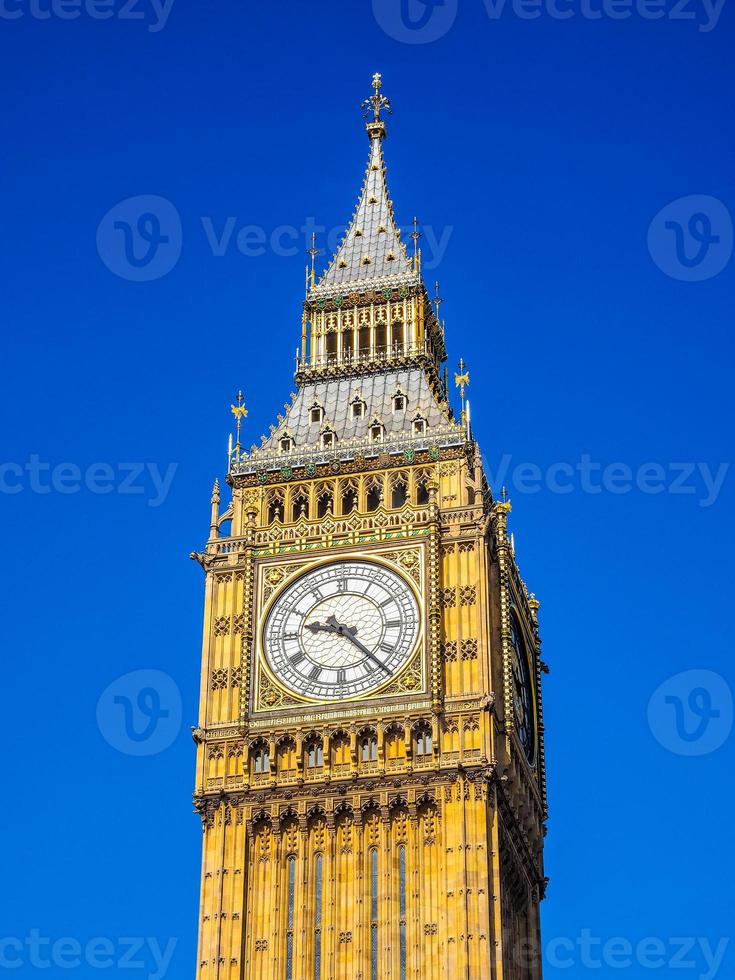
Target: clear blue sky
[{"x": 544, "y": 148}]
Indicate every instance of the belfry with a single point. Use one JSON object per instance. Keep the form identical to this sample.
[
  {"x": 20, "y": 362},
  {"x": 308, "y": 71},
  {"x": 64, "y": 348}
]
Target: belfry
[{"x": 370, "y": 758}]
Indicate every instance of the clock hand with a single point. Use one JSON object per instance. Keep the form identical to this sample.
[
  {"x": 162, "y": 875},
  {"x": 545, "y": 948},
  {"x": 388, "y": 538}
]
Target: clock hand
[
  {"x": 339, "y": 628},
  {"x": 318, "y": 627},
  {"x": 361, "y": 646},
  {"x": 331, "y": 626}
]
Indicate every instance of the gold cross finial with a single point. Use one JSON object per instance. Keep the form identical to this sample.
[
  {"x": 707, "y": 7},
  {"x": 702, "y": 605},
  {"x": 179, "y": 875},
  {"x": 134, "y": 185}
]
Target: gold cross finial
[
  {"x": 313, "y": 252},
  {"x": 376, "y": 104},
  {"x": 461, "y": 380},
  {"x": 240, "y": 412}
]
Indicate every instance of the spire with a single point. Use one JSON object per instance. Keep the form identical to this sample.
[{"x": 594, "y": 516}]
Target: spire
[{"x": 372, "y": 248}]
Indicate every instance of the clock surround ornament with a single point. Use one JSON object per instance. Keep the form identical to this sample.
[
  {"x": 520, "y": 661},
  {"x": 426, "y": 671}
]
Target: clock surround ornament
[{"x": 341, "y": 630}]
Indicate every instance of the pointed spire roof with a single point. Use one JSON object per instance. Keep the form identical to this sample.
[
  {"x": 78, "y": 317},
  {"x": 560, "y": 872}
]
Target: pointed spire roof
[{"x": 371, "y": 250}]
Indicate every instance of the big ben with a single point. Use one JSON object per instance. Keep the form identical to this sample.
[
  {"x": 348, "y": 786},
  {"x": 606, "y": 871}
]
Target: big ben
[{"x": 370, "y": 748}]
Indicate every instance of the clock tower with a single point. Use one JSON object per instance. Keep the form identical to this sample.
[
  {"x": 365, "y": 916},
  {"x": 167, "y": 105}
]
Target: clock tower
[{"x": 370, "y": 755}]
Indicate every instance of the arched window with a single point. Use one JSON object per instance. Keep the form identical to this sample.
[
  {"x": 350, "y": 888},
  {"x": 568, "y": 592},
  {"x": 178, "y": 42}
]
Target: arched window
[
  {"x": 286, "y": 444},
  {"x": 374, "y": 914},
  {"x": 318, "y": 888},
  {"x": 347, "y": 342},
  {"x": 364, "y": 340},
  {"x": 399, "y": 491},
  {"x": 399, "y": 402},
  {"x": 286, "y": 756},
  {"x": 368, "y": 748},
  {"x": 374, "y": 496},
  {"x": 398, "y": 337},
  {"x": 419, "y": 426},
  {"x": 349, "y": 499},
  {"x": 381, "y": 338},
  {"x": 299, "y": 505},
  {"x": 324, "y": 502},
  {"x": 358, "y": 408},
  {"x": 291, "y": 878},
  {"x": 314, "y": 754},
  {"x": 329, "y": 440},
  {"x": 341, "y": 749},
  {"x": 422, "y": 492},
  {"x": 331, "y": 344},
  {"x": 275, "y": 509},
  {"x": 316, "y": 414},
  {"x": 377, "y": 431},
  {"x": 261, "y": 759},
  {"x": 395, "y": 743},
  {"x": 422, "y": 741},
  {"x": 402, "y": 909}
]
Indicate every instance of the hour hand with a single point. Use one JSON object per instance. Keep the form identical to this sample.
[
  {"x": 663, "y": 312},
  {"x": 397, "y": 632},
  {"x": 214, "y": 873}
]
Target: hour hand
[
  {"x": 318, "y": 627},
  {"x": 338, "y": 627}
]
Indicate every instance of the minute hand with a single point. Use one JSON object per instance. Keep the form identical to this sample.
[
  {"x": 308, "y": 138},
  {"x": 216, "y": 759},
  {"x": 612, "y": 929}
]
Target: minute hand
[{"x": 361, "y": 646}]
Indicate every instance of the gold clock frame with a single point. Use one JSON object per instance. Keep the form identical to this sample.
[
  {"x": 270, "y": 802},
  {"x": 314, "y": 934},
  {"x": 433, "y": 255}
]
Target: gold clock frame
[{"x": 265, "y": 681}]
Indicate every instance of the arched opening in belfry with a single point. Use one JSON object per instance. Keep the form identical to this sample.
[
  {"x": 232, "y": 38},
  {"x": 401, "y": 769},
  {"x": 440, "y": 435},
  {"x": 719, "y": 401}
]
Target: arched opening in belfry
[{"x": 374, "y": 496}]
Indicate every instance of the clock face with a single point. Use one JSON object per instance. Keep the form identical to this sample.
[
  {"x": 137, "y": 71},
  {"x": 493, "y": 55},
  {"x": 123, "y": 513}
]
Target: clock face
[
  {"x": 341, "y": 630},
  {"x": 522, "y": 693}
]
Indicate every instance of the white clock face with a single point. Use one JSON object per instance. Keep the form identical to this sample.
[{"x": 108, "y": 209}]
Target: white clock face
[{"x": 341, "y": 630}]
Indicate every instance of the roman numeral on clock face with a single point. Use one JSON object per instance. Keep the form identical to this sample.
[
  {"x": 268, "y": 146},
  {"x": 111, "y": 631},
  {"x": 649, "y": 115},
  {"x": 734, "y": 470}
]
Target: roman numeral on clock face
[
  {"x": 341, "y": 676},
  {"x": 393, "y": 623},
  {"x": 297, "y": 658},
  {"x": 315, "y": 673}
]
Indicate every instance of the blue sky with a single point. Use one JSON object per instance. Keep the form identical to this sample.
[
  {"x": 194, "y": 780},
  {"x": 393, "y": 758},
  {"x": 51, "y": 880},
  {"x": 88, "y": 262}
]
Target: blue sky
[{"x": 551, "y": 157}]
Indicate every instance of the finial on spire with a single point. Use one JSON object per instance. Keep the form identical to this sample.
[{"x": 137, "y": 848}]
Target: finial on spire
[
  {"x": 313, "y": 252},
  {"x": 415, "y": 235},
  {"x": 373, "y": 106},
  {"x": 240, "y": 412},
  {"x": 461, "y": 380},
  {"x": 437, "y": 300}
]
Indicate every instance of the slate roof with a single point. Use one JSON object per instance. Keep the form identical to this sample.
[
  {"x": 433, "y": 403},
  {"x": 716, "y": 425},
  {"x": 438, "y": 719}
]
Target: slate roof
[
  {"x": 372, "y": 247},
  {"x": 336, "y": 395}
]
